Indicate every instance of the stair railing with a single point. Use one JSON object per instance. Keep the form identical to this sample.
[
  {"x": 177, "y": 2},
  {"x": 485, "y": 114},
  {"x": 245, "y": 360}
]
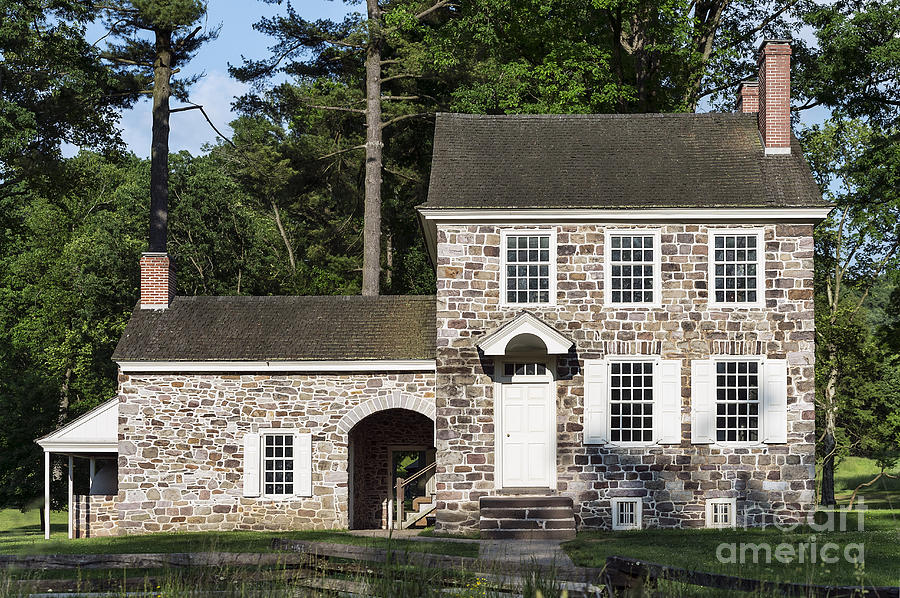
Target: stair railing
[{"x": 402, "y": 483}]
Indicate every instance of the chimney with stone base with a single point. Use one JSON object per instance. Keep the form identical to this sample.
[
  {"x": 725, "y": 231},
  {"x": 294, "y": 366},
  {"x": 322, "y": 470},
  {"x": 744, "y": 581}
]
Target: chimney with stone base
[
  {"x": 775, "y": 96},
  {"x": 748, "y": 96},
  {"x": 157, "y": 280}
]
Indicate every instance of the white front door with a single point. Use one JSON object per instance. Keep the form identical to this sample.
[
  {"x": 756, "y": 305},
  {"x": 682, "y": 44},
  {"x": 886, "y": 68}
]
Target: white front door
[{"x": 526, "y": 433}]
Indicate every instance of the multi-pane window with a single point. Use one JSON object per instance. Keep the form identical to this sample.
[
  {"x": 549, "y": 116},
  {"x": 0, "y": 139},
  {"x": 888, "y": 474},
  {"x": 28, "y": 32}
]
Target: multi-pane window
[
  {"x": 626, "y": 513},
  {"x": 736, "y": 268},
  {"x": 737, "y": 401},
  {"x": 278, "y": 464},
  {"x": 524, "y": 369},
  {"x": 528, "y": 269},
  {"x": 631, "y": 401},
  {"x": 720, "y": 512},
  {"x": 631, "y": 264}
]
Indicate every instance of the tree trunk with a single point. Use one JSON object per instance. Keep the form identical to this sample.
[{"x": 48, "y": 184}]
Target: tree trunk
[
  {"x": 63, "y": 413},
  {"x": 388, "y": 260},
  {"x": 159, "y": 146},
  {"x": 828, "y": 439},
  {"x": 709, "y": 18},
  {"x": 284, "y": 237},
  {"x": 374, "y": 145}
]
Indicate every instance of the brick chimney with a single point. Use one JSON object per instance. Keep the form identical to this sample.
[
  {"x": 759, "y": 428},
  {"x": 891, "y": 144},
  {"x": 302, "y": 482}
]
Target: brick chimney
[
  {"x": 748, "y": 96},
  {"x": 157, "y": 280},
  {"x": 775, "y": 96}
]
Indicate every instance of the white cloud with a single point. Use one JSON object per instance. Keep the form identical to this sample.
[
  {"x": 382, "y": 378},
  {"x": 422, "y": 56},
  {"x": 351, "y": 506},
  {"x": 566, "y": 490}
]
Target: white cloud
[{"x": 188, "y": 130}]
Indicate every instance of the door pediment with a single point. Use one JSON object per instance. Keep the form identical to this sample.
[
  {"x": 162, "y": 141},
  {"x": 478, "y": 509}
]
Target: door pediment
[{"x": 525, "y": 333}]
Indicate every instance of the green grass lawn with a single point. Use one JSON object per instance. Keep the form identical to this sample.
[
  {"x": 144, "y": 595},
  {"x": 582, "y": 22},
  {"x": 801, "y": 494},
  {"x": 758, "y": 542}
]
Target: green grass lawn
[
  {"x": 697, "y": 550},
  {"x": 853, "y": 471},
  {"x": 20, "y": 533}
]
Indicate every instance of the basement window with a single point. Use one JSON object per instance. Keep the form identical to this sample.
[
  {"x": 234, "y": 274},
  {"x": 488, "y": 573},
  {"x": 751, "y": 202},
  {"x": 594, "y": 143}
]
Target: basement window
[
  {"x": 626, "y": 513},
  {"x": 721, "y": 512}
]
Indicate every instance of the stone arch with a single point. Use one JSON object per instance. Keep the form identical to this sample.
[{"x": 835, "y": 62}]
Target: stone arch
[{"x": 396, "y": 400}]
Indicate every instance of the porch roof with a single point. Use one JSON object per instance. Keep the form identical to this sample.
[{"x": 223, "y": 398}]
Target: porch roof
[
  {"x": 526, "y": 332},
  {"x": 97, "y": 431}
]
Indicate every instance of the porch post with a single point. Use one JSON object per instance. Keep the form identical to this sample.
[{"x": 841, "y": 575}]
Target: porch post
[
  {"x": 46, "y": 495},
  {"x": 93, "y": 472},
  {"x": 71, "y": 502}
]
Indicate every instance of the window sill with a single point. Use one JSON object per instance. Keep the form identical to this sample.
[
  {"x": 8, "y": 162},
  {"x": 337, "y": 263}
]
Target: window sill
[
  {"x": 526, "y": 305},
  {"x": 281, "y": 498},
  {"x": 647, "y": 306},
  {"x": 718, "y": 305}
]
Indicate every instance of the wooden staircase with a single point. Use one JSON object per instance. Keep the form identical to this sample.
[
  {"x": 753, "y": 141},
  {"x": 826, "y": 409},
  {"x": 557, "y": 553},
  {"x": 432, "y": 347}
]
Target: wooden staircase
[
  {"x": 422, "y": 511},
  {"x": 527, "y": 517}
]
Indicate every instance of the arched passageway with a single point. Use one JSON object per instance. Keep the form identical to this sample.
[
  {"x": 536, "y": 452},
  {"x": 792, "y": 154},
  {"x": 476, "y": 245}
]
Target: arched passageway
[{"x": 383, "y": 446}]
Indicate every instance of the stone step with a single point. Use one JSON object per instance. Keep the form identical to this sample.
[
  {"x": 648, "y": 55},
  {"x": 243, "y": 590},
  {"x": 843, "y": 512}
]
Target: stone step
[
  {"x": 528, "y": 513},
  {"x": 488, "y": 502},
  {"x": 524, "y": 534},
  {"x": 488, "y": 524},
  {"x": 527, "y": 517}
]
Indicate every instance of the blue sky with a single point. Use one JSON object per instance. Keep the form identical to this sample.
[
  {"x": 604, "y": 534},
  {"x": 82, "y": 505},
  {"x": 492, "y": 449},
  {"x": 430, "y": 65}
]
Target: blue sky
[{"x": 217, "y": 89}]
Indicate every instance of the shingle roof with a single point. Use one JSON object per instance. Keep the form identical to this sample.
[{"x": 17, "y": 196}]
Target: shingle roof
[
  {"x": 612, "y": 161},
  {"x": 282, "y": 328}
]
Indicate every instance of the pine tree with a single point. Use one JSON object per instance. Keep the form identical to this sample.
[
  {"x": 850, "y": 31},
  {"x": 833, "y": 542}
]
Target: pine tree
[
  {"x": 149, "y": 66},
  {"x": 387, "y": 46}
]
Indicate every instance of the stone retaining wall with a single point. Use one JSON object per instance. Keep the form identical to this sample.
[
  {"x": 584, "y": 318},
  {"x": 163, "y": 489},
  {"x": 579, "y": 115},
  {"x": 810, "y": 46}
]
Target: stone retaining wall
[
  {"x": 673, "y": 481},
  {"x": 181, "y": 453},
  {"x": 96, "y": 515}
]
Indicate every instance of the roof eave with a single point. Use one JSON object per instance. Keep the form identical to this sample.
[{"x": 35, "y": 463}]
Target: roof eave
[
  {"x": 214, "y": 365},
  {"x": 431, "y": 215}
]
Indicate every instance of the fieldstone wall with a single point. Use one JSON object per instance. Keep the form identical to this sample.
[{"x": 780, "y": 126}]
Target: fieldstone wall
[
  {"x": 372, "y": 440},
  {"x": 96, "y": 515},
  {"x": 674, "y": 481},
  {"x": 181, "y": 445}
]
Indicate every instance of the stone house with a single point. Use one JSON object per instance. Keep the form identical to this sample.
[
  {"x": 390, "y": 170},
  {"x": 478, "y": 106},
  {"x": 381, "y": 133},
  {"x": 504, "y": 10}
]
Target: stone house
[{"x": 622, "y": 337}]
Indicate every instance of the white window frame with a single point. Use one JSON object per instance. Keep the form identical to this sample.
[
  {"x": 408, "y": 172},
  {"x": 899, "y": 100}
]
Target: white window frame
[
  {"x": 615, "y": 505},
  {"x": 761, "y": 381},
  {"x": 529, "y": 232},
  {"x": 656, "y": 361},
  {"x": 760, "y": 267},
  {"x": 263, "y": 432},
  {"x": 546, "y": 376},
  {"x": 732, "y": 504},
  {"x": 657, "y": 266}
]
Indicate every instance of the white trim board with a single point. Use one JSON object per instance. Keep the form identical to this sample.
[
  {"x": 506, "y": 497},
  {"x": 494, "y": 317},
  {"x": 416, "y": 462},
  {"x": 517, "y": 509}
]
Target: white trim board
[
  {"x": 95, "y": 431},
  {"x": 370, "y": 365},
  {"x": 77, "y": 448},
  {"x": 567, "y": 215},
  {"x": 429, "y": 217}
]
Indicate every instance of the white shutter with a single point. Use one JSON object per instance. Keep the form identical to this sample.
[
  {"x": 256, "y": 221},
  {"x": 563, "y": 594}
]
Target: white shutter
[
  {"x": 668, "y": 402},
  {"x": 596, "y": 422},
  {"x": 703, "y": 401},
  {"x": 251, "y": 465},
  {"x": 303, "y": 465},
  {"x": 774, "y": 401}
]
